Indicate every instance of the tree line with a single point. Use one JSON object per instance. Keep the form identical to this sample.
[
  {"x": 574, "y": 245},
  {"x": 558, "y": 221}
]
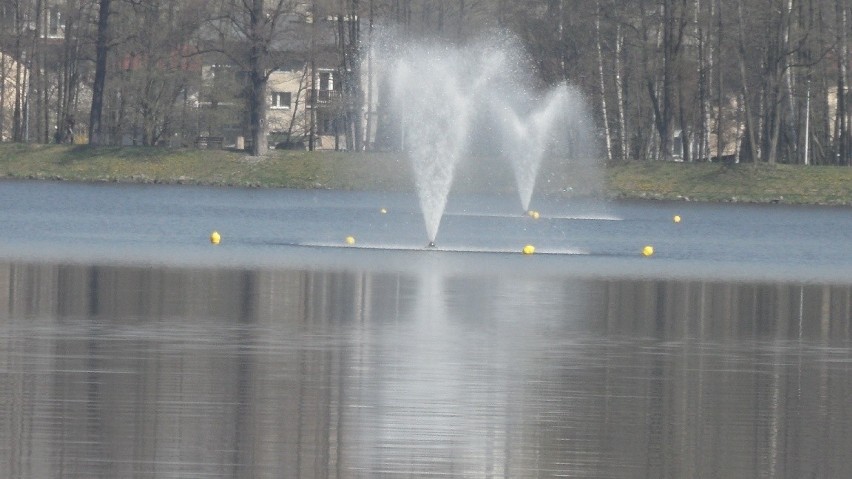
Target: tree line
[{"x": 696, "y": 80}]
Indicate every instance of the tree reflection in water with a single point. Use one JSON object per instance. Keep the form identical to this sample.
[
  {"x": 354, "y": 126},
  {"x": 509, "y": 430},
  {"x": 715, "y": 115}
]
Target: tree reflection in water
[{"x": 111, "y": 371}]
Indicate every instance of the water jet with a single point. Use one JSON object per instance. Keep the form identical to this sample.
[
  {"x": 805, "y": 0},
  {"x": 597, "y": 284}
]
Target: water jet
[{"x": 451, "y": 103}]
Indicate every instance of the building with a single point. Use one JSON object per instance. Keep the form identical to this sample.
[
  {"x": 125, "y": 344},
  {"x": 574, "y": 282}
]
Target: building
[
  {"x": 296, "y": 101},
  {"x": 305, "y": 89}
]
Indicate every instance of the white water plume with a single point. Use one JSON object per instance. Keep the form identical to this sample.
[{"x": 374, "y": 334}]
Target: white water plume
[
  {"x": 453, "y": 102},
  {"x": 527, "y": 138},
  {"x": 435, "y": 124}
]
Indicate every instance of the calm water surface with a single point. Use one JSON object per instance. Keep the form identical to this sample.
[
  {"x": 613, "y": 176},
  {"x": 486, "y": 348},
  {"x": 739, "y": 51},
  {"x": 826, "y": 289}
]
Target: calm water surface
[{"x": 130, "y": 347}]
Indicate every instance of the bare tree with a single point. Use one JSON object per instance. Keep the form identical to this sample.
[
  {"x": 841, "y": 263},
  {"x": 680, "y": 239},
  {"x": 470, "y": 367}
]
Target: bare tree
[
  {"x": 102, "y": 47},
  {"x": 599, "y": 48},
  {"x": 673, "y": 22},
  {"x": 619, "y": 91},
  {"x": 842, "y": 126},
  {"x": 349, "y": 36},
  {"x": 158, "y": 66},
  {"x": 252, "y": 34},
  {"x": 69, "y": 70},
  {"x": 720, "y": 99},
  {"x": 17, "y": 66},
  {"x": 748, "y": 107}
]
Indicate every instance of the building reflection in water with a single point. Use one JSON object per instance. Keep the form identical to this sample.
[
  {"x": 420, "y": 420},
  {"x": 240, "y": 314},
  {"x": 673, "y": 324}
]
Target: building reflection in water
[{"x": 109, "y": 371}]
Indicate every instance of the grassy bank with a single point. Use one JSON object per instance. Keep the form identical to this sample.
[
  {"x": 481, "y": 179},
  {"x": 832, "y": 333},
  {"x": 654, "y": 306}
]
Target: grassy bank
[
  {"x": 194, "y": 166},
  {"x": 384, "y": 171},
  {"x": 829, "y": 185}
]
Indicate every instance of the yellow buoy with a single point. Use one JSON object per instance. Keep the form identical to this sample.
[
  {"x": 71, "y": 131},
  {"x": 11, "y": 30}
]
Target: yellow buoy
[
  {"x": 676, "y": 218},
  {"x": 648, "y": 250},
  {"x": 535, "y": 215},
  {"x": 350, "y": 240},
  {"x": 215, "y": 238},
  {"x": 383, "y": 211},
  {"x": 528, "y": 249}
]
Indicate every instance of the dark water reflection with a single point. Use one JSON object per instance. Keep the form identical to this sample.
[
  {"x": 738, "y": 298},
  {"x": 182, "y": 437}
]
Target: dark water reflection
[{"x": 109, "y": 371}]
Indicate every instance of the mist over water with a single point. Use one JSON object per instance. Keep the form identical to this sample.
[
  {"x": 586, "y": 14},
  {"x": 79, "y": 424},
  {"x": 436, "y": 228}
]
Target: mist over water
[{"x": 480, "y": 102}]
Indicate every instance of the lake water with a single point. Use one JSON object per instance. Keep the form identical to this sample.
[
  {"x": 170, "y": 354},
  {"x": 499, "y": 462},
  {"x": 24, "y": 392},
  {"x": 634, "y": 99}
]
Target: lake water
[{"x": 132, "y": 347}]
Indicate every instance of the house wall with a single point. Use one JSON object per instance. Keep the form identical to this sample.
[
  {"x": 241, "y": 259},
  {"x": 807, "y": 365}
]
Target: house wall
[
  {"x": 832, "y": 110},
  {"x": 294, "y": 119},
  {"x": 288, "y": 116},
  {"x": 285, "y": 120}
]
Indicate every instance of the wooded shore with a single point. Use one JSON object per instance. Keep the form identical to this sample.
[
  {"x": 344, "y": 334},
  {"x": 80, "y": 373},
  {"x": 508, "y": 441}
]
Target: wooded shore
[{"x": 761, "y": 183}]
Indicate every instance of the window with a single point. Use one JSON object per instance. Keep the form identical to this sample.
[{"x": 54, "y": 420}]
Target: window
[
  {"x": 325, "y": 81},
  {"x": 281, "y": 99},
  {"x": 54, "y": 22}
]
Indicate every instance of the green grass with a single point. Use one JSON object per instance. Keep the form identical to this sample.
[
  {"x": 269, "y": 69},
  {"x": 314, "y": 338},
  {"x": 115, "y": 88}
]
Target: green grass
[
  {"x": 391, "y": 172},
  {"x": 741, "y": 183},
  {"x": 206, "y": 167}
]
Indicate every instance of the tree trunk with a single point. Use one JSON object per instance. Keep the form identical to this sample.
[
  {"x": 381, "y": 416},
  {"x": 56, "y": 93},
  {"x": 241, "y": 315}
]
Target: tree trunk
[
  {"x": 665, "y": 109},
  {"x": 357, "y": 100},
  {"x": 39, "y": 78},
  {"x": 20, "y": 77},
  {"x": 774, "y": 79},
  {"x": 607, "y": 132},
  {"x": 312, "y": 98},
  {"x": 345, "y": 72},
  {"x": 3, "y": 73},
  {"x": 685, "y": 137},
  {"x": 257, "y": 81},
  {"x": 368, "y": 134},
  {"x": 294, "y": 115},
  {"x": 68, "y": 79},
  {"x": 45, "y": 108},
  {"x": 672, "y": 33},
  {"x": 793, "y": 124},
  {"x": 18, "y": 114},
  {"x": 257, "y": 117},
  {"x": 720, "y": 99},
  {"x": 101, "y": 51},
  {"x": 806, "y": 153},
  {"x": 747, "y": 108},
  {"x": 619, "y": 90},
  {"x": 842, "y": 133},
  {"x": 705, "y": 58}
]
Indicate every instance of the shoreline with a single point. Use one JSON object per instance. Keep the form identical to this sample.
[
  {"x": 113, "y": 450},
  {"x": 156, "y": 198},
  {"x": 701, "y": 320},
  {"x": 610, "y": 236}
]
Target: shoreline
[
  {"x": 371, "y": 171},
  {"x": 645, "y": 196}
]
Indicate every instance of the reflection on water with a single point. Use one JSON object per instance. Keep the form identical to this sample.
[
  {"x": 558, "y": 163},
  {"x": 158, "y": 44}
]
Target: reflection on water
[{"x": 109, "y": 371}]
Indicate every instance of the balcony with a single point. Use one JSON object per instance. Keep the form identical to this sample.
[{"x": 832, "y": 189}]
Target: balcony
[{"x": 324, "y": 97}]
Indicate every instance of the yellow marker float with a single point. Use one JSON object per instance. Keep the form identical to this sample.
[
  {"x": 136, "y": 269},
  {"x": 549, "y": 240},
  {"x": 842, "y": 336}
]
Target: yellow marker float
[{"x": 215, "y": 238}]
